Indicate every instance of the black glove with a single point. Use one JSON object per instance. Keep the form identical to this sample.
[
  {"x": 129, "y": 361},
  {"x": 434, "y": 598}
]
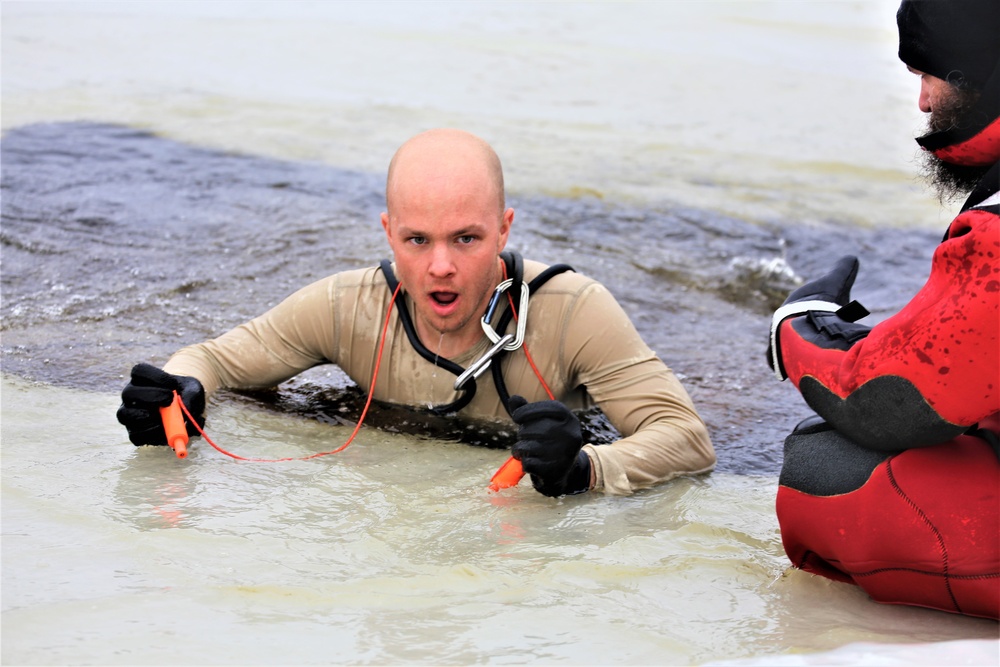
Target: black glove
[
  {"x": 835, "y": 286},
  {"x": 151, "y": 389},
  {"x": 832, "y": 323},
  {"x": 549, "y": 447}
]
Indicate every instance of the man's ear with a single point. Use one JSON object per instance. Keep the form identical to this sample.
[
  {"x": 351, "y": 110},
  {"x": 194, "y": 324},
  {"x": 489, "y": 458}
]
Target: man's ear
[
  {"x": 505, "y": 222},
  {"x": 386, "y": 227}
]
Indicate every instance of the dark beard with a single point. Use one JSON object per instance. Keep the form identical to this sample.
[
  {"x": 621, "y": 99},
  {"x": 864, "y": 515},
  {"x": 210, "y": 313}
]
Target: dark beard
[{"x": 951, "y": 181}]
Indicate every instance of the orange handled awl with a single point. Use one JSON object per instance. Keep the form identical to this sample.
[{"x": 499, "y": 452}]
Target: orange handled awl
[
  {"x": 509, "y": 474},
  {"x": 173, "y": 426}
]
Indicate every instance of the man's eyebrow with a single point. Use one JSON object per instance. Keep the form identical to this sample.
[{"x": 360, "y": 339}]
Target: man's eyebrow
[{"x": 471, "y": 228}]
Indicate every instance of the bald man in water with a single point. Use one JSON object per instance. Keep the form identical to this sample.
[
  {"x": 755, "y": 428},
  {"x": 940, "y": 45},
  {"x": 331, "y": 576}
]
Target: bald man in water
[{"x": 447, "y": 224}]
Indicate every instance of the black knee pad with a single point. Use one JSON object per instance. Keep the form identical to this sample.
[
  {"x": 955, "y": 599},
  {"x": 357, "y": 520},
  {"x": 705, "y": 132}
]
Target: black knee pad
[{"x": 822, "y": 462}]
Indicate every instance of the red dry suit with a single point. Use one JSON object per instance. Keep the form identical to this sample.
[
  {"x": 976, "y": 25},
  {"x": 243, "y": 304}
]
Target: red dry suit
[{"x": 894, "y": 486}]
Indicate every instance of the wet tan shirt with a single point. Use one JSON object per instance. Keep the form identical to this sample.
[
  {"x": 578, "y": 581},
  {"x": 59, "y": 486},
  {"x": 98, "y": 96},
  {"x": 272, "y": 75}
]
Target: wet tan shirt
[{"x": 581, "y": 340}]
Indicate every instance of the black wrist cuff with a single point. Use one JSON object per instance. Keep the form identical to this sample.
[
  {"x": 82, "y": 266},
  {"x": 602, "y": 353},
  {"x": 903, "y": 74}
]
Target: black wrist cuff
[{"x": 578, "y": 479}]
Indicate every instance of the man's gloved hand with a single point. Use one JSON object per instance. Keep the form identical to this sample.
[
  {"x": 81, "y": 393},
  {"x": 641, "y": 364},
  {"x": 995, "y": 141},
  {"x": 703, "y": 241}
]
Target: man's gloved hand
[
  {"x": 549, "y": 447},
  {"x": 150, "y": 389},
  {"x": 827, "y": 301}
]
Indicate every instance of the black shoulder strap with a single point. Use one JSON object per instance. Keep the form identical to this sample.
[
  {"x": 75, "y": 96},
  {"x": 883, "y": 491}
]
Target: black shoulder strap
[
  {"x": 515, "y": 271},
  {"x": 508, "y": 315}
]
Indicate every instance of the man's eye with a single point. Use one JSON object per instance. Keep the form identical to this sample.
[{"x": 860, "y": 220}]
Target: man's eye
[
  {"x": 465, "y": 240},
  {"x": 417, "y": 240}
]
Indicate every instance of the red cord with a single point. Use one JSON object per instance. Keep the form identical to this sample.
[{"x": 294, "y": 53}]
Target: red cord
[
  {"x": 371, "y": 392},
  {"x": 531, "y": 362}
]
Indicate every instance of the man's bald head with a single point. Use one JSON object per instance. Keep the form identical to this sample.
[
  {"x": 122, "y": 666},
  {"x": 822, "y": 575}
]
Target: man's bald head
[{"x": 439, "y": 158}]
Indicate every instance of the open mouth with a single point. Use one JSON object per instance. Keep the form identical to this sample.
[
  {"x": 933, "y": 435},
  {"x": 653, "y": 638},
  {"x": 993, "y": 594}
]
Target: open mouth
[{"x": 444, "y": 298}]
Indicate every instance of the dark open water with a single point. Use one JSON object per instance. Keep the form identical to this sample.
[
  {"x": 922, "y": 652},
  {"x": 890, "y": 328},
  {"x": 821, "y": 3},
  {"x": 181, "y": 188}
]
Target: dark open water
[{"x": 120, "y": 246}]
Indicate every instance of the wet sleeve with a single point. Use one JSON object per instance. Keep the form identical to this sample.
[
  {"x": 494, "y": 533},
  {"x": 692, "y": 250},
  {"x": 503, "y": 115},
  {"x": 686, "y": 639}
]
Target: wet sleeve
[
  {"x": 663, "y": 435},
  {"x": 924, "y": 375},
  {"x": 295, "y": 335}
]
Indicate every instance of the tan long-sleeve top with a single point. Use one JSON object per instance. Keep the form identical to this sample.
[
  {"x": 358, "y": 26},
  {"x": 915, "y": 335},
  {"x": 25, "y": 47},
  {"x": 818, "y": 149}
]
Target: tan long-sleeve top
[{"x": 581, "y": 340}]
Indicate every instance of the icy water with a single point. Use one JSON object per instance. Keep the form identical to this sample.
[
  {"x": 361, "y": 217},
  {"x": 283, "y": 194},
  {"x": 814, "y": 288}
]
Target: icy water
[{"x": 170, "y": 170}]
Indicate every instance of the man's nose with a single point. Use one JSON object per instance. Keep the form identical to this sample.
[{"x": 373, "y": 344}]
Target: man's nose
[
  {"x": 442, "y": 262},
  {"x": 924, "y": 101}
]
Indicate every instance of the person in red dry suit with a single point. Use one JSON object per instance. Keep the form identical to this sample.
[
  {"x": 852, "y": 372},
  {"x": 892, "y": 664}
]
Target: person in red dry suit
[{"x": 893, "y": 485}]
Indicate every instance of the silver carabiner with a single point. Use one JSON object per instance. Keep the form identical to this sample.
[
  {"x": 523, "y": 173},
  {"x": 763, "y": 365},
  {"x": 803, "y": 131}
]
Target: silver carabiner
[
  {"x": 522, "y": 315},
  {"x": 476, "y": 368}
]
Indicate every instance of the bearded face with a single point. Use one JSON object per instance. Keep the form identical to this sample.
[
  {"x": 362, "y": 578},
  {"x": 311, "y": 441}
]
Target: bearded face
[{"x": 951, "y": 181}]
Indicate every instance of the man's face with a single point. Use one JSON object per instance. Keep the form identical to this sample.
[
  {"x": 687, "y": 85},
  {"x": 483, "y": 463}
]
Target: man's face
[
  {"x": 446, "y": 238},
  {"x": 946, "y": 104},
  {"x": 934, "y": 92},
  {"x": 948, "y": 108}
]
